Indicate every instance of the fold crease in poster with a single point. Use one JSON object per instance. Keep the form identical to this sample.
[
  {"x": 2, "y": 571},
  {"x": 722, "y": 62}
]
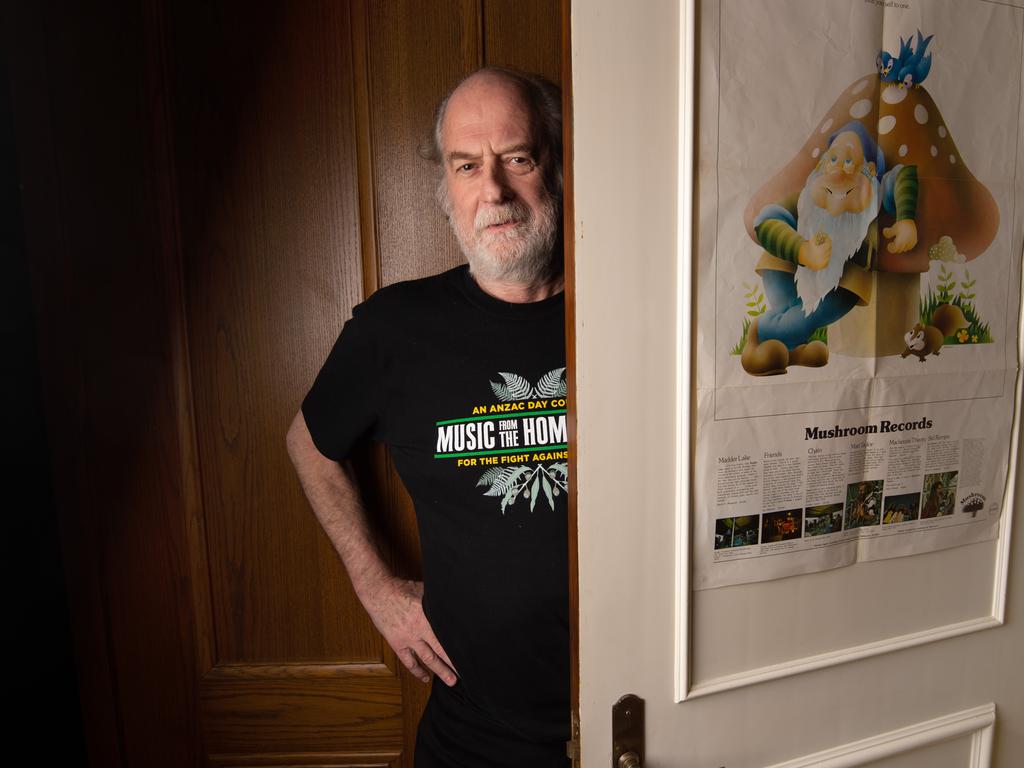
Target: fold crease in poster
[{"x": 859, "y": 244}]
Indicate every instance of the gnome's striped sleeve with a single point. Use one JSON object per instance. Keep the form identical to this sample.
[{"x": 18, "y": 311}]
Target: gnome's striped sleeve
[
  {"x": 899, "y": 192},
  {"x": 775, "y": 227}
]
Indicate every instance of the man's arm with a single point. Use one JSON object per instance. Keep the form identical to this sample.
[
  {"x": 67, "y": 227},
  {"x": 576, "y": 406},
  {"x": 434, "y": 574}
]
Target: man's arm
[{"x": 394, "y": 605}]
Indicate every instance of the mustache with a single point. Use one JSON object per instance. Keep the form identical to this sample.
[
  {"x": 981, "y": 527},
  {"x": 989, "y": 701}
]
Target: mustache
[{"x": 514, "y": 212}]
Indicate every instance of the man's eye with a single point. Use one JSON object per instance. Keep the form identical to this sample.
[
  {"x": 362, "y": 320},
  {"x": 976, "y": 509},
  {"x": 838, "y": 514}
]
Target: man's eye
[
  {"x": 465, "y": 168},
  {"x": 520, "y": 163}
]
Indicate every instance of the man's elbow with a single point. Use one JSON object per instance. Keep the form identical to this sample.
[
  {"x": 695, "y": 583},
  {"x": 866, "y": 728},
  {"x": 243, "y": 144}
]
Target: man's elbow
[{"x": 298, "y": 440}]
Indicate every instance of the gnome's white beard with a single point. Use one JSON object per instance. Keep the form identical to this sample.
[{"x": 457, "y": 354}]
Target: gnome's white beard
[{"x": 847, "y": 231}]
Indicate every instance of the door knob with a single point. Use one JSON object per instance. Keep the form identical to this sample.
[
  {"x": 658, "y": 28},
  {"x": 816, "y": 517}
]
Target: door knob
[{"x": 628, "y": 732}]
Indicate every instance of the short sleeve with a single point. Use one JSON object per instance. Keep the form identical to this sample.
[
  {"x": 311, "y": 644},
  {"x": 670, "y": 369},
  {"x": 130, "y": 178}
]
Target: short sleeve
[{"x": 343, "y": 405}]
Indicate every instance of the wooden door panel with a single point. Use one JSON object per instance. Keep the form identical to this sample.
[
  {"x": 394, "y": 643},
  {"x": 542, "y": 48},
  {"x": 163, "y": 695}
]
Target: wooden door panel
[
  {"x": 406, "y": 77},
  {"x": 302, "y": 709},
  {"x": 270, "y": 227},
  {"x": 526, "y": 34},
  {"x": 211, "y": 188}
]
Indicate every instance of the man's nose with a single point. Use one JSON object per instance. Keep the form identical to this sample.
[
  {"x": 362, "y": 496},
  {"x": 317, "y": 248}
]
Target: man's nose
[{"x": 494, "y": 184}]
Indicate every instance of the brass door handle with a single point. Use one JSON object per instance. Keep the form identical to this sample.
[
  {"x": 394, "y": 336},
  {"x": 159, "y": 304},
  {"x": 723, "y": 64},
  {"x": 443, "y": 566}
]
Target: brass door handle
[{"x": 628, "y": 732}]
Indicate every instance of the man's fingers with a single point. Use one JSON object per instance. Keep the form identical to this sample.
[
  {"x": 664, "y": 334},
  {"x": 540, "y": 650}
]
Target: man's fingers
[
  {"x": 408, "y": 658},
  {"x": 433, "y": 642},
  {"x": 408, "y": 632},
  {"x": 887, "y": 232},
  {"x": 433, "y": 660}
]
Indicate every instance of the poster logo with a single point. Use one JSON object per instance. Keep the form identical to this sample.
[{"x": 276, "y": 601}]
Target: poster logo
[
  {"x": 521, "y": 440},
  {"x": 972, "y": 504}
]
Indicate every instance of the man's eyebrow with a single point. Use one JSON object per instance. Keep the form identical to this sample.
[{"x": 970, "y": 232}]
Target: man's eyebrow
[
  {"x": 457, "y": 155},
  {"x": 461, "y": 156},
  {"x": 528, "y": 148}
]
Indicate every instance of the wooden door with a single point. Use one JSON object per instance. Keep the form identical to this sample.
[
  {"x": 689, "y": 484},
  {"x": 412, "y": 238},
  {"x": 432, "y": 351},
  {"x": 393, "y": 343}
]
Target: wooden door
[
  {"x": 812, "y": 670},
  {"x": 209, "y": 188}
]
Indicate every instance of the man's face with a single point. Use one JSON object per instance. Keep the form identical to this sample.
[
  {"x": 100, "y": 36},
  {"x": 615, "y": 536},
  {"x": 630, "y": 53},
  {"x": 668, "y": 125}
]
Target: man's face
[
  {"x": 842, "y": 186},
  {"x": 494, "y": 189}
]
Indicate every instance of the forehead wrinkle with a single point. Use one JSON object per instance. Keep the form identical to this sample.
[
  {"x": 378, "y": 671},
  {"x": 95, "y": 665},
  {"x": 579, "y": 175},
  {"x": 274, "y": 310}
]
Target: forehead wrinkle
[{"x": 483, "y": 107}]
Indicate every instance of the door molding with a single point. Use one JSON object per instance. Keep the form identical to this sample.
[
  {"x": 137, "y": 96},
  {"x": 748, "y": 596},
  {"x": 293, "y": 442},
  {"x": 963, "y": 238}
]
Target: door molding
[{"x": 978, "y": 722}]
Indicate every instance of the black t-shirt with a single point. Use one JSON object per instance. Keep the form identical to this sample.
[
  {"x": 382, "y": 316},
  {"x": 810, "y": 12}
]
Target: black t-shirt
[{"x": 469, "y": 393}]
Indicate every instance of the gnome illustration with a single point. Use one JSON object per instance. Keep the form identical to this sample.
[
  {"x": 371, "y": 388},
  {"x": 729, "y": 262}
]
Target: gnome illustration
[{"x": 848, "y": 226}]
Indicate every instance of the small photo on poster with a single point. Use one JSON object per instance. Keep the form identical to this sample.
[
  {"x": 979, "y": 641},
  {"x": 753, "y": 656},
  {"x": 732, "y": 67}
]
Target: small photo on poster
[
  {"x": 902, "y": 508},
  {"x": 781, "y": 526},
  {"x": 939, "y": 494},
  {"x": 863, "y": 503},
  {"x": 823, "y": 519},
  {"x": 736, "y": 532}
]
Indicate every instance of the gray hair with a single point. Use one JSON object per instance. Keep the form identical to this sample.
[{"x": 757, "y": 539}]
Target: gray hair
[{"x": 544, "y": 100}]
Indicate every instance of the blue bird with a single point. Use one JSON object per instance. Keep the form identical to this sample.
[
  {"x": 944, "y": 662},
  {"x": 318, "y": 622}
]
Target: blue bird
[
  {"x": 915, "y": 68},
  {"x": 889, "y": 66},
  {"x": 884, "y": 62}
]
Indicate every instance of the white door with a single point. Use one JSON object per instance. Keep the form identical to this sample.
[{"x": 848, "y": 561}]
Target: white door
[{"x": 909, "y": 661}]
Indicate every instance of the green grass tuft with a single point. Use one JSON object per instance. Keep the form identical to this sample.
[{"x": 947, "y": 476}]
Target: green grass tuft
[{"x": 976, "y": 327}]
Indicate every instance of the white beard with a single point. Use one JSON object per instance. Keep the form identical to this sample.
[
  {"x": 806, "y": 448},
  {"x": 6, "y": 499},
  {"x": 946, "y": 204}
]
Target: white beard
[
  {"x": 523, "y": 254},
  {"x": 847, "y": 232}
]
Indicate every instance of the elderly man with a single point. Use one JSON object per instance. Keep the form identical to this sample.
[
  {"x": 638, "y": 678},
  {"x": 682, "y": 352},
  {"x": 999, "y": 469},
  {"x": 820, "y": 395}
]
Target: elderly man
[
  {"x": 462, "y": 375},
  {"x": 820, "y": 245}
]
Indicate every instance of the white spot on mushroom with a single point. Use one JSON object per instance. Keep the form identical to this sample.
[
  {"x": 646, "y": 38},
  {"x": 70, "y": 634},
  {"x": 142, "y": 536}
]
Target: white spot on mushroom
[
  {"x": 886, "y": 124},
  {"x": 921, "y": 114},
  {"x": 903, "y": 150},
  {"x": 859, "y": 86},
  {"x": 942, "y": 131},
  {"x": 934, "y": 151},
  {"x": 893, "y": 95},
  {"x": 860, "y": 108},
  {"x": 826, "y": 125},
  {"x": 952, "y": 159},
  {"x": 816, "y": 152}
]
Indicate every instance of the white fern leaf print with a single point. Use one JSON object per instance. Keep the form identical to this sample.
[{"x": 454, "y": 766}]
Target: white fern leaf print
[
  {"x": 550, "y": 384},
  {"x": 507, "y": 480},
  {"x": 515, "y": 387},
  {"x": 492, "y": 474}
]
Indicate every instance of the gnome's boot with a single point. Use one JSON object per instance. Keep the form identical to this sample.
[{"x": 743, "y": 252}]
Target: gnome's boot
[
  {"x": 813, "y": 354},
  {"x": 764, "y": 358}
]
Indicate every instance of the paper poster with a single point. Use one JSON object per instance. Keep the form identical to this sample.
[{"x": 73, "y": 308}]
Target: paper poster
[{"x": 858, "y": 237}]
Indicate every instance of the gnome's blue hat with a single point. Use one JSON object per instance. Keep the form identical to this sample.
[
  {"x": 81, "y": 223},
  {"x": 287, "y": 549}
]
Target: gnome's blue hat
[{"x": 867, "y": 143}]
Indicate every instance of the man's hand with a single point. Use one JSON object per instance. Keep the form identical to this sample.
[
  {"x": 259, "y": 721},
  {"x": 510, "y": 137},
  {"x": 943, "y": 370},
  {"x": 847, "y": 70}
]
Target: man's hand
[
  {"x": 816, "y": 253},
  {"x": 903, "y": 235},
  {"x": 395, "y": 605},
  {"x": 396, "y": 608}
]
